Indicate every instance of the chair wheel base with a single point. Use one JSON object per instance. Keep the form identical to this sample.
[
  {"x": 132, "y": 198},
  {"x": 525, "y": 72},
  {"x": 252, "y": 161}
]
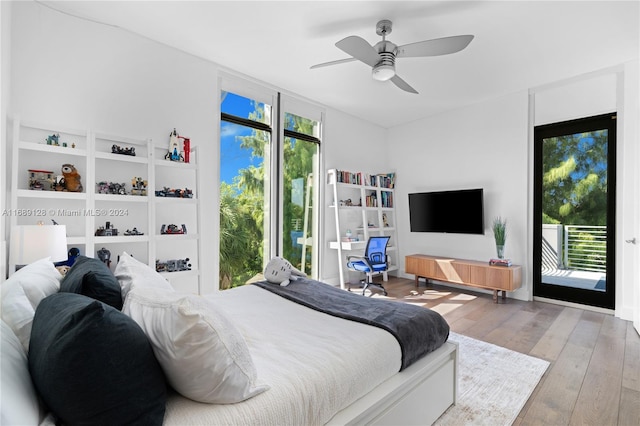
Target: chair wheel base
[{"x": 371, "y": 287}]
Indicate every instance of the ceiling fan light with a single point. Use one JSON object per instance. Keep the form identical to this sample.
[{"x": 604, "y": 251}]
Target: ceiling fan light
[{"x": 383, "y": 72}]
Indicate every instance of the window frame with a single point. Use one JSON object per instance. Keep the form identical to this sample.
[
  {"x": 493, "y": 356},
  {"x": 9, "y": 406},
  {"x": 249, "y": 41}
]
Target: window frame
[{"x": 280, "y": 103}]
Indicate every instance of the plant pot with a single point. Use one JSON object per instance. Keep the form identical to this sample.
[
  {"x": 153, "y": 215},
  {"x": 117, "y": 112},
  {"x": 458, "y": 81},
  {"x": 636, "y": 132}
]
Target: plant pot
[{"x": 500, "y": 250}]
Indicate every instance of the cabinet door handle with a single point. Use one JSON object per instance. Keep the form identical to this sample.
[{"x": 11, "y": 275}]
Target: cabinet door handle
[{"x": 631, "y": 241}]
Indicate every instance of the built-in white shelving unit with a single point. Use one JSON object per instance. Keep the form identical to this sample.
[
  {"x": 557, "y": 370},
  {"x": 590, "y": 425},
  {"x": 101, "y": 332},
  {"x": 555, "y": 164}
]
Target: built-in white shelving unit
[
  {"x": 84, "y": 212},
  {"x": 363, "y": 206},
  {"x": 177, "y": 211}
]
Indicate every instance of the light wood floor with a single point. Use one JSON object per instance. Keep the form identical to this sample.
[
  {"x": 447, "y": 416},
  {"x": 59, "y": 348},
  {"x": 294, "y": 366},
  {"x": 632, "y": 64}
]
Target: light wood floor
[{"x": 594, "y": 376}]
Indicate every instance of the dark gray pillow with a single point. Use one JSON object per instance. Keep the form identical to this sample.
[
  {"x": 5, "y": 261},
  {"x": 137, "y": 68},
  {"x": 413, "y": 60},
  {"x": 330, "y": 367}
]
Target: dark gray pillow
[
  {"x": 92, "y": 278},
  {"x": 92, "y": 364}
]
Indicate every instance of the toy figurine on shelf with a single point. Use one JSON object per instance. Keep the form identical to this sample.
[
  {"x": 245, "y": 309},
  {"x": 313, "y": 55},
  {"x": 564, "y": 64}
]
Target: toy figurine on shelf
[
  {"x": 385, "y": 220},
  {"x": 53, "y": 139},
  {"x": 102, "y": 187},
  {"x": 173, "y": 229},
  {"x": 161, "y": 266},
  {"x": 117, "y": 188},
  {"x": 174, "y": 153},
  {"x": 174, "y": 265},
  {"x": 133, "y": 231},
  {"x": 111, "y": 188},
  {"x": 43, "y": 180},
  {"x": 139, "y": 186},
  {"x": 115, "y": 149},
  {"x": 175, "y": 193},
  {"x": 106, "y": 231},
  {"x": 105, "y": 256},
  {"x": 71, "y": 179},
  {"x": 183, "y": 193}
]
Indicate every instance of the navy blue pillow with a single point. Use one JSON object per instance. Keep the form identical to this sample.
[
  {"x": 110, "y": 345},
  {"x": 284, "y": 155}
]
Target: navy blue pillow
[
  {"x": 92, "y": 364},
  {"x": 92, "y": 278}
]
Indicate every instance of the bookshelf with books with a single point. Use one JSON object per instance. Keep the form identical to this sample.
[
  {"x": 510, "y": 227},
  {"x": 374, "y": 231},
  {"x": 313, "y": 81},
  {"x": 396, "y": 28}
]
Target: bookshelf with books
[{"x": 363, "y": 206}]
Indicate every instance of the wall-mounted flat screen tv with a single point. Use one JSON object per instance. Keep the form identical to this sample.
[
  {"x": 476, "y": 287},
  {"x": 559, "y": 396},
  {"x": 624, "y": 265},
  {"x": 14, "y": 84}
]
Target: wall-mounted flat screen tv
[{"x": 456, "y": 212}]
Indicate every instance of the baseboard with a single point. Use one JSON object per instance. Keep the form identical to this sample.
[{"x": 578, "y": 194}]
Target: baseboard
[{"x": 625, "y": 313}]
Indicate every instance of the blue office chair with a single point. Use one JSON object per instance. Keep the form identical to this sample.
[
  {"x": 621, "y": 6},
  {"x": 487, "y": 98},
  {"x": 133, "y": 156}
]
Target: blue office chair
[{"x": 374, "y": 261}]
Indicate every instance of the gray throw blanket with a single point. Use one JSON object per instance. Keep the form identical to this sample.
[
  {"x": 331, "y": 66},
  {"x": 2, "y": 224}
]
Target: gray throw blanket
[{"x": 418, "y": 330}]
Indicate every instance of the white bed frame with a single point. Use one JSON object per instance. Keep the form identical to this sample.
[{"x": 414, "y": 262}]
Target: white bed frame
[{"x": 418, "y": 395}]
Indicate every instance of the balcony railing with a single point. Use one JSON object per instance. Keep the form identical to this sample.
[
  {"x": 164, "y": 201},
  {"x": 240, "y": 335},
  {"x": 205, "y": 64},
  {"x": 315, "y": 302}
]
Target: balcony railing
[{"x": 585, "y": 248}]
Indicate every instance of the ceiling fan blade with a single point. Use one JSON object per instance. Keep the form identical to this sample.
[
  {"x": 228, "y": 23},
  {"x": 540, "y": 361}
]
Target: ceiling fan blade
[
  {"x": 359, "y": 49},
  {"x": 403, "y": 84},
  {"x": 435, "y": 47},
  {"x": 339, "y": 61}
]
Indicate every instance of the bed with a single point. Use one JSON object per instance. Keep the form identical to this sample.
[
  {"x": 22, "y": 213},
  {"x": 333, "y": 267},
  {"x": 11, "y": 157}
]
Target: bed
[{"x": 320, "y": 369}]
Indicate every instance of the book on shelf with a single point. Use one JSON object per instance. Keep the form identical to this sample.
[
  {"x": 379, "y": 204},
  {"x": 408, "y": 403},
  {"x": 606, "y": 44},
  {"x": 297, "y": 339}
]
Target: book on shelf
[
  {"x": 387, "y": 199},
  {"x": 500, "y": 262},
  {"x": 344, "y": 176},
  {"x": 381, "y": 180},
  {"x": 387, "y": 180}
]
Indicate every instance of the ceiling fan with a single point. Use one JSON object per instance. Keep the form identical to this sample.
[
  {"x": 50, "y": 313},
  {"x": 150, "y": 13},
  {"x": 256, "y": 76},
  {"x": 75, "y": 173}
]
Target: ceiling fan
[{"x": 382, "y": 57}]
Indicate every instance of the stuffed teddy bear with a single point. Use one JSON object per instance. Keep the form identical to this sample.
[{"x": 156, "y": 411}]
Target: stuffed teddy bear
[
  {"x": 280, "y": 271},
  {"x": 71, "y": 179},
  {"x": 63, "y": 269}
]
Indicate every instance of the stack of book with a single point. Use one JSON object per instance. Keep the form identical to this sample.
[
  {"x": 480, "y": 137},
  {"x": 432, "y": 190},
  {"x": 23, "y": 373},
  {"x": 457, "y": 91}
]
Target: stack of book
[
  {"x": 387, "y": 180},
  {"x": 500, "y": 262},
  {"x": 349, "y": 239}
]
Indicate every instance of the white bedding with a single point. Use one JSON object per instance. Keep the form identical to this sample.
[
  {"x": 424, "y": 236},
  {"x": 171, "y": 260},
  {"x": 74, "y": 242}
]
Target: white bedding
[{"x": 315, "y": 364}]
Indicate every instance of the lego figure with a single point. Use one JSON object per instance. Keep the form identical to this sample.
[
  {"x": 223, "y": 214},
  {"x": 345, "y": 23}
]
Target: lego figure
[
  {"x": 139, "y": 186},
  {"x": 174, "y": 148},
  {"x": 105, "y": 256}
]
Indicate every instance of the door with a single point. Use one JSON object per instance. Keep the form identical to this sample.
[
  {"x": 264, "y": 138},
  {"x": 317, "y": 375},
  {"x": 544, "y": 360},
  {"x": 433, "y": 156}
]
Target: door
[{"x": 574, "y": 211}]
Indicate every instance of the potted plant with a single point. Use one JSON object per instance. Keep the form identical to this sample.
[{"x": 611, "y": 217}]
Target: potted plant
[{"x": 500, "y": 235}]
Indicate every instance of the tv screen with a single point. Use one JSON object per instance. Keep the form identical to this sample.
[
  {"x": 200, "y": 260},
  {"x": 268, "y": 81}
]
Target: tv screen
[{"x": 457, "y": 212}]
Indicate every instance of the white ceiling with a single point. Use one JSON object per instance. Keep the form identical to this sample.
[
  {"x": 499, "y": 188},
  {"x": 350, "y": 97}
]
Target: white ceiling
[{"x": 517, "y": 45}]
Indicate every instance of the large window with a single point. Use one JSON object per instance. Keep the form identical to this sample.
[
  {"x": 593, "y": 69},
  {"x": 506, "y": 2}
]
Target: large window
[
  {"x": 268, "y": 188},
  {"x": 245, "y": 196},
  {"x": 301, "y": 150}
]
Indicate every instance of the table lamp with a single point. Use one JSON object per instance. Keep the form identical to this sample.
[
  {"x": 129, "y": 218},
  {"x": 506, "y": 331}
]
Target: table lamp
[{"x": 34, "y": 242}]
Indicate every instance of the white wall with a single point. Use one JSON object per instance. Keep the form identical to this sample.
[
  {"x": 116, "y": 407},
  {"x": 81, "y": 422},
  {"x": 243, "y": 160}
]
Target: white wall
[
  {"x": 77, "y": 74},
  {"x": 609, "y": 90},
  {"x": 481, "y": 146},
  {"x": 488, "y": 145},
  {"x": 352, "y": 144}
]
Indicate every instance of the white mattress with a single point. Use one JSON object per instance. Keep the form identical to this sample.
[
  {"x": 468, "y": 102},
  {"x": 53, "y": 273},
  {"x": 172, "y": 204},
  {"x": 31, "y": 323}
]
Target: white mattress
[{"x": 314, "y": 363}]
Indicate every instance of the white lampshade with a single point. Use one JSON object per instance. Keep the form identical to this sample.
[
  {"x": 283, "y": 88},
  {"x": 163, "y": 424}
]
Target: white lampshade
[
  {"x": 34, "y": 242},
  {"x": 383, "y": 72}
]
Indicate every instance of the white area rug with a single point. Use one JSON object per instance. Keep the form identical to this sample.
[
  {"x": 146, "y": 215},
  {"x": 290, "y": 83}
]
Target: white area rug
[{"x": 494, "y": 383}]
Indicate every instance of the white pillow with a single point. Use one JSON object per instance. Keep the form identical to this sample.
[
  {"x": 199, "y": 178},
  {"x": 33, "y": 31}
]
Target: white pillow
[
  {"x": 18, "y": 399},
  {"x": 23, "y": 291},
  {"x": 132, "y": 273},
  {"x": 203, "y": 355}
]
